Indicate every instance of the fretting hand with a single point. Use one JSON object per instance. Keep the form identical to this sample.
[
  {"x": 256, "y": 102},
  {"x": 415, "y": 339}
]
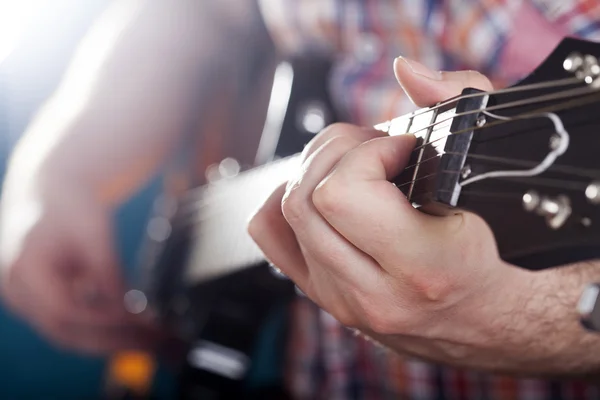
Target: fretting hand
[{"x": 429, "y": 286}]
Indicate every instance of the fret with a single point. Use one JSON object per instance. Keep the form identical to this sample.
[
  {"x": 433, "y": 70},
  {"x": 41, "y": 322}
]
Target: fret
[
  {"x": 421, "y": 122},
  {"x": 422, "y": 126},
  {"x": 400, "y": 125},
  {"x": 429, "y": 157},
  {"x": 443, "y": 122}
]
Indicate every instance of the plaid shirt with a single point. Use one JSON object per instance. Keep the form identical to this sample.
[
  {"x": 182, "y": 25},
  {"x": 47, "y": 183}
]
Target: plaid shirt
[{"x": 326, "y": 360}]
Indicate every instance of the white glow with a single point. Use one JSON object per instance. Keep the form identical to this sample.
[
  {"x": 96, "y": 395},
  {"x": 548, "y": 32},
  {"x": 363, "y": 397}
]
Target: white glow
[
  {"x": 159, "y": 229},
  {"x": 278, "y": 104},
  {"x": 314, "y": 120},
  {"x": 135, "y": 301},
  {"x": 14, "y": 19},
  {"x": 93, "y": 52},
  {"x": 588, "y": 299},
  {"x": 220, "y": 360}
]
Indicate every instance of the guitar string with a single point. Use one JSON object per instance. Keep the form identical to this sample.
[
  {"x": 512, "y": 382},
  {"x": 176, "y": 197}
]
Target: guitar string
[
  {"x": 506, "y": 194},
  {"x": 516, "y": 194},
  {"x": 514, "y": 89},
  {"x": 556, "y": 183},
  {"x": 508, "y": 90},
  {"x": 508, "y": 105},
  {"x": 563, "y": 184},
  {"x": 579, "y": 102},
  {"x": 540, "y": 99},
  {"x": 535, "y": 86},
  {"x": 546, "y": 182},
  {"x": 575, "y": 171},
  {"x": 249, "y": 250},
  {"x": 586, "y": 91},
  {"x": 491, "y": 196},
  {"x": 499, "y": 122}
]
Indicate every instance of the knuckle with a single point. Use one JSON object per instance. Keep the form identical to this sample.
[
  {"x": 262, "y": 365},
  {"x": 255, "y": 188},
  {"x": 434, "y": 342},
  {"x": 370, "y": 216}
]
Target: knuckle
[
  {"x": 333, "y": 130},
  {"x": 293, "y": 206},
  {"x": 326, "y": 197},
  {"x": 322, "y": 137},
  {"x": 256, "y": 224},
  {"x": 339, "y": 144},
  {"x": 340, "y": 129}
]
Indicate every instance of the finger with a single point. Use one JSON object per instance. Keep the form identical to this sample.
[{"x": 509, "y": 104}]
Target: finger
[
  {"x": 271, "y": 232},
  {"x": 360, "y": 203},
  {"x": 426, "y": 87},
  {"x": 50, "y": 289},
  {"x": 93, "y": 335},
  {"x": 315, "y": 235},
  {"x": 340, "y": 129}
]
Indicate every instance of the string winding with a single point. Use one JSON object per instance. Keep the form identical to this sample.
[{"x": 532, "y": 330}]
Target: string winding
[{"x": 563, "y": 145}]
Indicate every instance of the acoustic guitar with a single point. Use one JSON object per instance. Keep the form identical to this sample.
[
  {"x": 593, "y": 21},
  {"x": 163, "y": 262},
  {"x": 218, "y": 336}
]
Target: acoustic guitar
[{"x": 525, "y": 158}]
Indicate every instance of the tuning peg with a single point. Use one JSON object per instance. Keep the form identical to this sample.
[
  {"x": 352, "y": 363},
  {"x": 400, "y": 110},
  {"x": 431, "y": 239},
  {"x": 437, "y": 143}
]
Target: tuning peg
[
  {"x": 555, "y": 210},
  {"x": 589, "y": 307},
  {"x": 573, "y": 62},
  {"x": 592, "y": 192},
  {"x": 585, "y": 67}
]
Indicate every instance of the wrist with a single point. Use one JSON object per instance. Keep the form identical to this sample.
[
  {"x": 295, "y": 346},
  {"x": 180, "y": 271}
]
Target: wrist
[
  {"x": 537, "y": 332},
  {"x": 485, "y": 330}
]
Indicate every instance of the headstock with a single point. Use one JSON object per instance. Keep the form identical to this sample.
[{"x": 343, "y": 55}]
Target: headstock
[{"x": 527, "y": 160}]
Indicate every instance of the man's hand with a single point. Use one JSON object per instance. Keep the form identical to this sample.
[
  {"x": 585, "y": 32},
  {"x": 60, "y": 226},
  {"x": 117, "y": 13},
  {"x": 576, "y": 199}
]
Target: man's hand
[
  {"x": 59, "y": 268},
  {"x": 429, "y": 286},
  {"x": 130, "y": 92}
]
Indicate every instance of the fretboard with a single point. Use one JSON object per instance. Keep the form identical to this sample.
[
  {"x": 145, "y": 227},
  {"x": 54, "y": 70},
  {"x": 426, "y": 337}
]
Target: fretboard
[{"x": 221, "y": 244}]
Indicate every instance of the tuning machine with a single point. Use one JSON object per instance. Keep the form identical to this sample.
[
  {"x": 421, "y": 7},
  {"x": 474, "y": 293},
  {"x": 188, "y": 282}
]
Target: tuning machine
[
  {"x": 556, "y": 210},
  {"x": 585, "y": 67},
  {"x": 592, "y": 193}
]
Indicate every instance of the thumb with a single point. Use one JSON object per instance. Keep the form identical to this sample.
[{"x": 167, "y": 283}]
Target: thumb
[{"x": 426, "y": 87}]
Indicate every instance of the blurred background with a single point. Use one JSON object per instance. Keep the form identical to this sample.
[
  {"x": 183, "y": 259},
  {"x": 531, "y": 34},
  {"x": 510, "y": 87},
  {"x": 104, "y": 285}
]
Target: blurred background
[{"x": 37, "y": 40}]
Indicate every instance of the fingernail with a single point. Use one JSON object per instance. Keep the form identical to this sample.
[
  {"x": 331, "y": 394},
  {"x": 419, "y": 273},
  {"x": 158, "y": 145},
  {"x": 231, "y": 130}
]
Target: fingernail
[{"x": 420, "y": 69}]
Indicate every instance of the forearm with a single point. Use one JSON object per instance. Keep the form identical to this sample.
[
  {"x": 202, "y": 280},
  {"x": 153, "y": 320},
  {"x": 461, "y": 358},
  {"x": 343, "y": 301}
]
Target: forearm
[
  {"x": 132, "y": 89},
  {"x": 549, "y": 320},
  {"x": 529, "y": 327}
]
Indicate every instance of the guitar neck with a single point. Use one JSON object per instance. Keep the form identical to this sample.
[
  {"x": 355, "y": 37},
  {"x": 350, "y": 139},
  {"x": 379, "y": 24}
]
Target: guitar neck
[{"x": 220, "y": 244}]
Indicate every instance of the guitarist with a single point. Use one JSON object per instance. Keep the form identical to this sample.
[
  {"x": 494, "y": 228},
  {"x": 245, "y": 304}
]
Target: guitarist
[{"x": 107, "y": 129}]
